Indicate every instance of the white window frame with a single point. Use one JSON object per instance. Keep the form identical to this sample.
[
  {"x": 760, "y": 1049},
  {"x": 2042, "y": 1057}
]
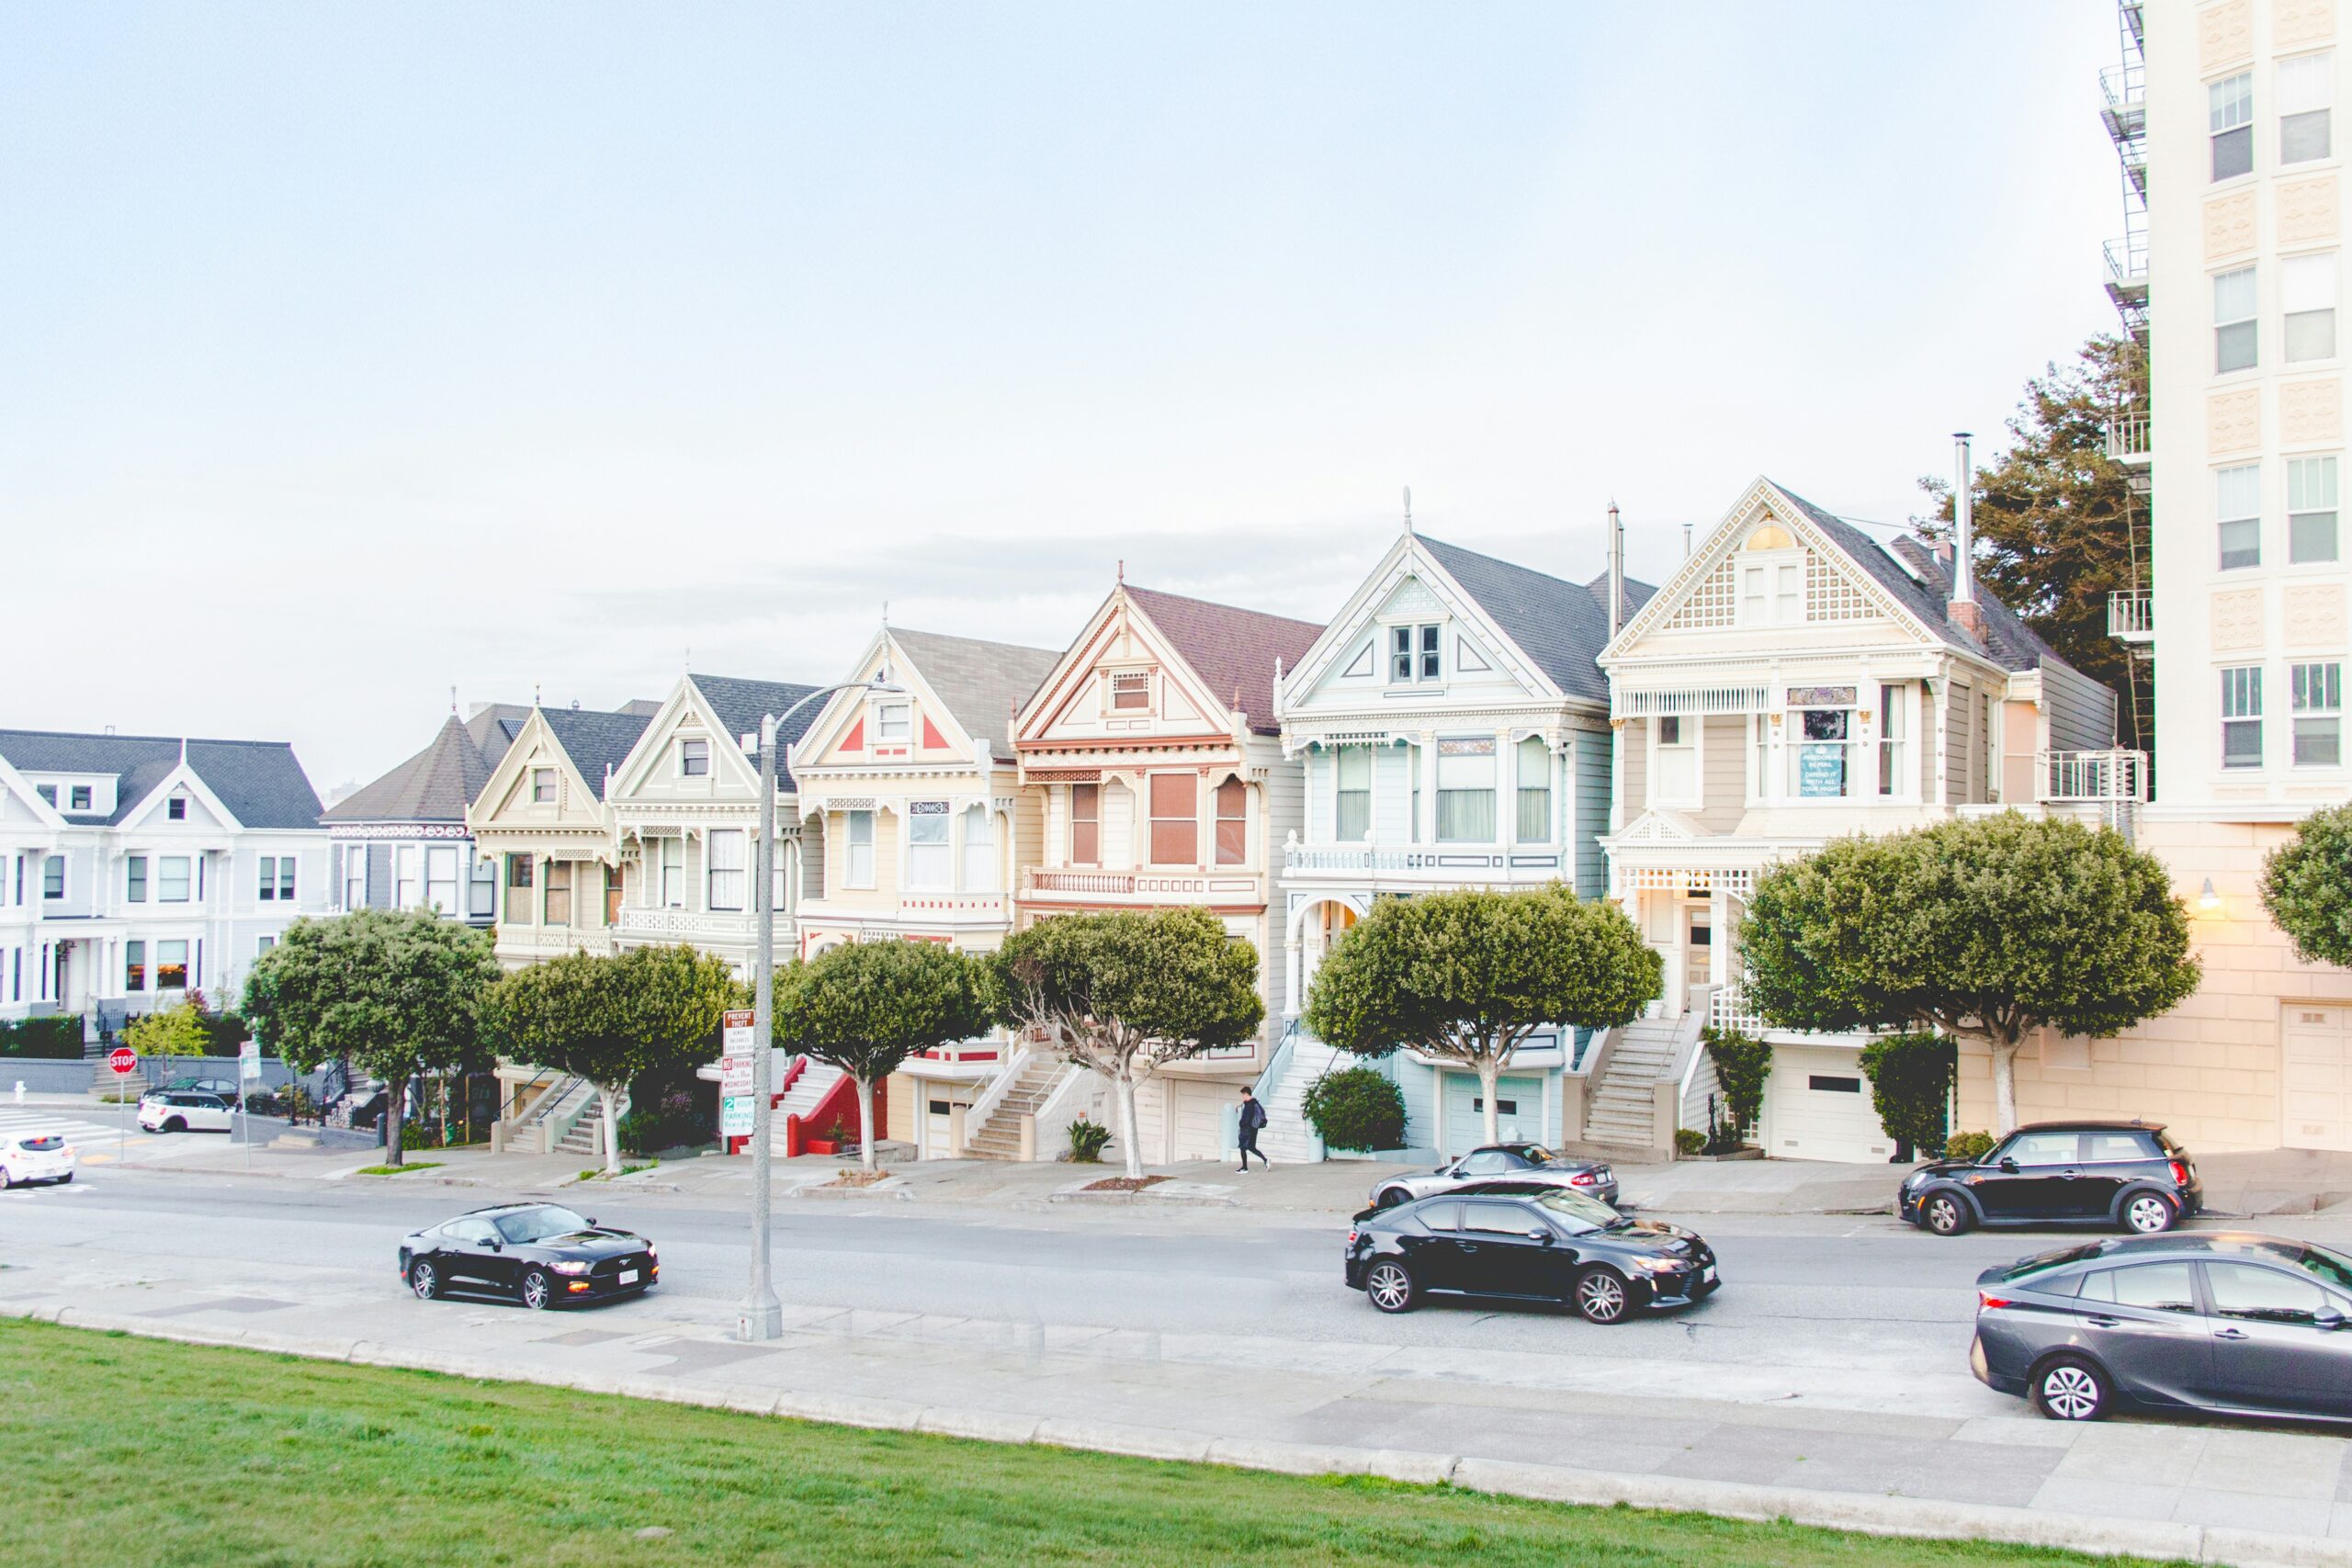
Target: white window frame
[
  {"x": 2311, "y": 494},
  {"x": 1770, "y": 587},
  {"x": 857, "y": 849},
  {"x": 670, "y": 867},
  {"x": 929, "y": 837},
  {"x": 886, "y": 716},
  {"x": 1464, "y": 762},
  {"x": 2228, "y": 123},
  {"x": 2242, "y": 710},
  {"x": 2307, "y": 299},
  {"x": 186, "y": 878},
  {"x": 545, "y": 778},
  {"x": 1368, "y": 761},
  {"x": 2237, "y": 488},
  {"x": 2305, "y": 88},
  {"x": 355, "y": 877},
  {"x": 2315, "y": 700},
  {"x": 1416, "y": 652},
  {"x": 2237, "y": 296},
  {"x": 727, "y": 875},
  {"x": 1681, "y": 754},
  {"x": 978, "y": 826},
  {"x": 441, "y": 890},
  {"x": 408, "y": 876},
  {"x": 694, "y": 756},
  {"x": 1899, "y": 778}
]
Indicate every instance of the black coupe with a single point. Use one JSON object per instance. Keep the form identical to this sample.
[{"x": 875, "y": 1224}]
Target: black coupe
[
  {"x": 1555, "y": 1245},
  {"x": 542, "y": 1253}
]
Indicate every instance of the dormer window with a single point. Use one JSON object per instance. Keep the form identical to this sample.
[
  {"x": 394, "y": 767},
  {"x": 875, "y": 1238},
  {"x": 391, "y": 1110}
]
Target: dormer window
[
  {"x": 893, "y": 723},
  {"x": 1131, "y": 690},
  {"x": 175, "y": 809},
  {"x": 47, "y": 793},
  {"x": 81, "y": 797},
  {"x": 694, "y": 759},
  {"x": 1413, "y": 653},
  {"x": 543, "y": 787}
]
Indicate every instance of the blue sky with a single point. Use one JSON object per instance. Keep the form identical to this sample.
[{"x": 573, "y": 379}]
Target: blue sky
[{"x": 353, "y": 352}]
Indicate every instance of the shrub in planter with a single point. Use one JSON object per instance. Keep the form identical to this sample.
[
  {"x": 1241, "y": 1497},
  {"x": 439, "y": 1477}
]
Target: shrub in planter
[
  {"x": 1355, "y": 1107},
  {"x": 419, "y": 1133},
  {"x": 1087, "y": 1138},
  {"x": 50, "y": 1037},
  {"x": 1911, "y": 1082},
  {"x": 1968, "y": 1145},
  {"x": 1688, "y": 1140},
  {"x": 1742, "y": 1063}
]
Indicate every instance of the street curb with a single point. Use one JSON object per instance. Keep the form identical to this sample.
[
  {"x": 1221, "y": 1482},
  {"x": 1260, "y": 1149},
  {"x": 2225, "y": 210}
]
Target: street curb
[
  {"x": 896, "y": 1187},
  {"x": 1865, "y": 1512}
]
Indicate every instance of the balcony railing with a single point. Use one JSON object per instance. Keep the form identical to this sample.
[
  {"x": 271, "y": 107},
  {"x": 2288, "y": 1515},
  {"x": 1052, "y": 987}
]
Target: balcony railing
[
  {"x": 1138, "y": 884},
  {"x": 2127, "y": 262},
  {"x": 1453, "y": 859},
  {"x": 2102, "y": 778},
  {"x": 2131, "y": 615},
  {"x": 2127, "y": 440},
  {"x": 2125, "y": 90}
]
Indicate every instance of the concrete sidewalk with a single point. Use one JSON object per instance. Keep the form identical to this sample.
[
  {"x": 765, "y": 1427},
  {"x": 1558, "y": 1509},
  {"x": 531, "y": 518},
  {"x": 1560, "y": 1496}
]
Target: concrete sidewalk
[{"x": 1861, "y": 1443}]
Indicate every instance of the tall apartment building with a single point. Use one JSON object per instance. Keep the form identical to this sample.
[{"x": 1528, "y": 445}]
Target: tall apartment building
[{"x": 2226, "y": 117}]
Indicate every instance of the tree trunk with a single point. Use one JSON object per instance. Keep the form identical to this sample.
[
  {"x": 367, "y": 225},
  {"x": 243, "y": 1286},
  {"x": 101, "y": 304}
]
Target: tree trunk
[
  {"x": 395, "y": 1096},
  {"x": 865, "y": 1122},
  {"x": 605, "y": 1095},
  {"x": 1126, "y": 1079},
  {"x": 2005, "y": 1087},
  {"x": 1490, "y": 1068}
]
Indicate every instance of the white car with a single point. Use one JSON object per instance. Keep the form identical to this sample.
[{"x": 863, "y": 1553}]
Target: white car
[
  {"x": 27, "y": 1157},
  {"x": 186, "y": 1111}
]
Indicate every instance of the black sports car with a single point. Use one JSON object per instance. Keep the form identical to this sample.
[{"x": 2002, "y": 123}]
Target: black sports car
[
  {"x": 542, "y": 1253},
  {"x": 1556, "y": 1244}
]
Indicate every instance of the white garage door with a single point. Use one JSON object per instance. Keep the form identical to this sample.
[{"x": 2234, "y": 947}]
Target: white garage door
[
  {"x": 2318, "y": 1079},
  {"x": 1200, "y": 1126},
  {"x": 1519, "y": 1111},
  {"x": 1817, "y": 1106}
]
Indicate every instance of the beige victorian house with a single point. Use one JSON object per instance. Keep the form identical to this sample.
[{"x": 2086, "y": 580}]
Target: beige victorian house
[
  {"x": 913, "y": 820},
  {"x": 1152, "y": 755}
]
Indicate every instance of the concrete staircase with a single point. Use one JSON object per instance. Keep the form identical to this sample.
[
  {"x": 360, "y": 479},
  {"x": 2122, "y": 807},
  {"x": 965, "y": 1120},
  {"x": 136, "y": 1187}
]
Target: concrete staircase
[
  {"x": 1620, "y": 1106},
  {"x": 1288, "y": 1138},
  {"x": 1001, "y": 1138},
  {"x": 816, "y": 1080},
  {"x": 585, "y": 1136}
]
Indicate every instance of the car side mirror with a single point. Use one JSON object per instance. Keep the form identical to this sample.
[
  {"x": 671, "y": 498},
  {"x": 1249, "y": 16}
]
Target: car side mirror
[
  {"x": 591, "y": 1219},
  {"x": 2327, "y": 1320},
  {"x": 2009, "y": 1165},
  {"x": 496, "y": 1245},
  {"x": 1539, "y": 1233}
]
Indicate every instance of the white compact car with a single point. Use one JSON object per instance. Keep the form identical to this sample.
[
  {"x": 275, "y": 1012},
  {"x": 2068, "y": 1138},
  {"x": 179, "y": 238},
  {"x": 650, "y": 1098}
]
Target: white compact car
[
  {"x": 186, "y": 1111},
  {"x": 27, "y": 1157}
]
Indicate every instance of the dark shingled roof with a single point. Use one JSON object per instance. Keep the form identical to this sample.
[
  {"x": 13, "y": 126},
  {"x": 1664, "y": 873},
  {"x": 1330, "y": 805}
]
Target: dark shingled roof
[
  {"x": 1232, "y": 650},
  {"x": 1558, "y": 626},
  {"x": 740, "y": 705},
  {"x": 440, "y": 781},
  {"x": 596, "y": 742},
  {"x": 258, "y": 781},
  {"x": 983, "y": 683},
  {"x": 2008, "y": 641}
]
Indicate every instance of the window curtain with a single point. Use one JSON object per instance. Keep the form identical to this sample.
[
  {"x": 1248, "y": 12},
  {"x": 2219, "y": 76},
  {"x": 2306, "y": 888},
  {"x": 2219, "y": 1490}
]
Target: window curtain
[
  {"x": 1534, "y": 791},
  {"x": 1466, "y": 792}
]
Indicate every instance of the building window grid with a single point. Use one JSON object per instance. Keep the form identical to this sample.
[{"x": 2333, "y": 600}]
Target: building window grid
[
  {"x": 1174, "y": 801},
  {"x": 1131, "y": 690},
  {"x": 2237, "y": 511},
  {"x": 2306, "y": 90},
  {"x": 2242, "y": 717},
  {"x": 2315, "y": 696},
  {"x": 2230, "y": 123},
  {"x": 2236, "y": 345}
]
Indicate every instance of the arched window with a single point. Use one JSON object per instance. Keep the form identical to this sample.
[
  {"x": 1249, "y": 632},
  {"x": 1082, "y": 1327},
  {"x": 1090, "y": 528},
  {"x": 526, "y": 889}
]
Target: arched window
[{"x": 1770, "y": 536}]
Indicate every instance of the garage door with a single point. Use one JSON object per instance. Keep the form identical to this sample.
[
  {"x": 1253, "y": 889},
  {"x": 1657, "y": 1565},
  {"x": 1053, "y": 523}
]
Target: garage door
[
  {"x": 1519, "y": 1111},
  {"x": 2318, "y": 1079},
  {"x": 1200, "y": 1126},
  {"x": 1817, "y": 1106}
]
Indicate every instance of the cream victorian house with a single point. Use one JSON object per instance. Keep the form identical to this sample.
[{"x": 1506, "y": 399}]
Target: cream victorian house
[
  {"x": 1152, "y": 756},
  {"x": 913, "y": 820},
  {"x": 1453, "y": 728},
  {"x": 1798, "y": 680}
]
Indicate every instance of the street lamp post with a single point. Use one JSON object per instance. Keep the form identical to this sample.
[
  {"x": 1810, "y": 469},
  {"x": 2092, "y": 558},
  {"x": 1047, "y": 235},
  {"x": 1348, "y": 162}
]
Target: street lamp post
[{"x": 763, "y": 1314}]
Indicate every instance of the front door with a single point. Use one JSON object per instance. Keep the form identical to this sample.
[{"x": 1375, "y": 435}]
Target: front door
[
  {"x": 1501, "y": 1257},
  {"x": 1434, "y": 1254},
  {"x": 2041, "y": 1187},
  {"x": 1700, "y": 924},
  {"x": 2268, "y": 1350}
]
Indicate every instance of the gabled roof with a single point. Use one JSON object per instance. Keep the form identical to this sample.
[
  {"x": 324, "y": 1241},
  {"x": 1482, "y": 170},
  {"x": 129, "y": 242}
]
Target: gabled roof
[
  {"x": 1925, "y": 589},
  {"x": 1558, "y": 626},
  {"x": 983, "y": 683},
  {"x": 435, "y": 786},
  {"x": 596, "y": 742},
  {"x": 739, "y": 706},
  {"x": 258, "y": 782},
  {"x": 1232, "y": 650},
  {"x": 494, "y": 726}
]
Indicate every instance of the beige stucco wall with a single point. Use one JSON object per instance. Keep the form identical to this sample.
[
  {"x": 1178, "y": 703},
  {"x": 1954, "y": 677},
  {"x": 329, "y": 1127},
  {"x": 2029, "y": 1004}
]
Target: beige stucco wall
[{"x": 2209, "y": 1069}]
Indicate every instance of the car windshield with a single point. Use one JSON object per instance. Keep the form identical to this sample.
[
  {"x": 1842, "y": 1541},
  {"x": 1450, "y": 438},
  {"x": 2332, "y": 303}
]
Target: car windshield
[
  {"x": 537, "y": 1224},
  {"x": 2333, "y": 1267},
  {"x": 46, "y": 1144},
  {"x": 1580, "y": 1213}
]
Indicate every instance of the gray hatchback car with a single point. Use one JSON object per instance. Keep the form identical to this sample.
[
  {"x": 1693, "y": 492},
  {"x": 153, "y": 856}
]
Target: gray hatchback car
[{"x": 2229, "y": 1322}]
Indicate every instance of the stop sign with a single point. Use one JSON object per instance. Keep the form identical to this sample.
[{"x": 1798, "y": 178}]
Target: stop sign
[{"x": 123, "y": 1060}]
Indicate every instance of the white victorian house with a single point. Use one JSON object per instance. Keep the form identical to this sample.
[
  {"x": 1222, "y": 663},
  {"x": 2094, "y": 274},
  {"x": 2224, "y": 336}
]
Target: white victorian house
[
  {"x": 134, "y": 869},
  {"x": 1453, "y": 727},
  {"x": 1798, "y": 680}
]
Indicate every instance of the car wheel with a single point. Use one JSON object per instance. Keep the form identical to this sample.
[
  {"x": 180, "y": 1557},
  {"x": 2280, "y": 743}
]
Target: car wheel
[
  {"x": 65, "y": 1179},
  {"x": 425, "y": 1279},
  {"x": 175, "y": 1125},
  {"x": 1390, "y": 1286},
  {"x": 538, "y": 1291},
  {"x": 2147, "y": 1213},
  {"x": 1390, "y": 1197},
  {"x": 1946, "y": 1214},
  {"x": 1601, "y": 1295},
  {"x": 6, "y": 1180},
  {"x": 2068, "y": 1389}
]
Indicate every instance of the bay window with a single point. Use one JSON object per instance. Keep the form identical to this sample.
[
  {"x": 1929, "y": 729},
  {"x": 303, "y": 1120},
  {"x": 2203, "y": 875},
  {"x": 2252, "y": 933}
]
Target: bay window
[
  {"x": 979, "y": 850},
  {"x": 1232, "y": 823},
  {"x": 611, "y": 895},
  {"x": 1534, "y": 791},
  {"x": 724, "y": 850},
  {"x": 52, "y": 877},
  {"x": 857, "y": 863},
  {"x": 355, "y": 878},
  {"x": 558, "y": 893},
  {"x": 518, "y": 890},
  {"x": 1086, "y": 824},
  {"x": 927, "y": 845},
  {"x": 171, "y": 879},
  {"x": 134, "y": 966},
  {"x": 1413, "y": 765},
  {"x": 134, "y": 880},
  {"x": 1351, "y": 801},
  {"x": 1466, "y": 790},
  {"x": 1893, "y": 740},
  {"x": 1175, "y": 820},
  {"x": 673, "y": 867},
  {"x": 1821, "y": 748},
  {"x": 170, "y": 965}
]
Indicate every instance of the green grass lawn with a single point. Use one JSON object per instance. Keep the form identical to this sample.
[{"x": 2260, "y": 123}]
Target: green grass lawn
[{"x": 126, "y": 1450}]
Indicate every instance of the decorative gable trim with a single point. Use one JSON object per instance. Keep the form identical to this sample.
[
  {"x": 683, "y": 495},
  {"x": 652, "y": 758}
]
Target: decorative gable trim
[
  {"x": 1175, "y": 686},
  {"x": 181, "y": 778},
  {"x": 17, "y": 785}
]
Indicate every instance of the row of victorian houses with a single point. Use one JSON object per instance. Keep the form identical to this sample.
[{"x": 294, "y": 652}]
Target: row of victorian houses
[{"x": 1459, "y": 721}]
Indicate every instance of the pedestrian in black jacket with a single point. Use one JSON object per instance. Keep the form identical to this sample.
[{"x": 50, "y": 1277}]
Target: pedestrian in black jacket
[{"x": 1253, "y": 1116}]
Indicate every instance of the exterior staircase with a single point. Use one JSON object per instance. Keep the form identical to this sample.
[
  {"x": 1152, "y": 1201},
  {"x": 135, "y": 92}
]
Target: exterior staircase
[
  {"x": 585, "y": 1136},
  {"x": 999, "y": 1137},
  {"x": 1288, "y": 1137},
  {"x": 814, "y": 1080},
  {"x": 1620, "y": 1106}
]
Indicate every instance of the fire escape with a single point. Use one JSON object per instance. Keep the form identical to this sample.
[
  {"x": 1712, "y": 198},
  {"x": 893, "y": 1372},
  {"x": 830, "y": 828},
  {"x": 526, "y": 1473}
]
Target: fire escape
[{"x": 2123, "y": 86}]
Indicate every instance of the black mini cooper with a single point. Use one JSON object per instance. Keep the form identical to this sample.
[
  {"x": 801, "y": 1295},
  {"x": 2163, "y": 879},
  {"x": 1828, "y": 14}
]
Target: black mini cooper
[
  {"x": 2129, "y": 1175},
  {"x": 542, "y": 1253},
  {"x": 1554, "y": 1244}
]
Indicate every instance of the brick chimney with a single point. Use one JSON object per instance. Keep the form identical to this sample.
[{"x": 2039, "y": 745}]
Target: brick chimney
[{"x": 1963, "y": 610}]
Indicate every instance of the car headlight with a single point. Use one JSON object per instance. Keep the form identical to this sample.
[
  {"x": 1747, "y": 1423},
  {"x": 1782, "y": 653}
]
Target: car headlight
[
  {"x": 569, "y": 1266},
  {"x": 1657, "y": 1265}
]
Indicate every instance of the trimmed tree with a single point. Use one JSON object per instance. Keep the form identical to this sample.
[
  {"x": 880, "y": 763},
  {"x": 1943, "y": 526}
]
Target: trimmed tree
[
  {"x": 1468, "y": 976},
  {"x": 865, "y": 1006},
  {"x": 180, "y": 1030},
  {"x": 1911, "y": 1083},
  {"x": 607, "y": 1020},
  {"x": 2307, "y": 887},
  {"x": 1125, "y": 994},
  {"x": 1984, "y": 930},
  {"x": 396, "y": 992}
]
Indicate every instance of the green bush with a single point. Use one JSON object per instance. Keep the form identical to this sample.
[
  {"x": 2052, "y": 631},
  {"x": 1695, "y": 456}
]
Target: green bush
[
  {"x": 1355, "y": 1107},
  {"x": 50, "y": 1037},
  {"x": 1742, "y": 1065},
  {"x": 1911, "y": 1082},
  {"x": 1087, "y": 1140},
  {"x": 1968, "y": 1145},
  {"x": 419, "y": 1133},
  {"x": 675, "y": 1119},
  {"x": 2307, "y": 887},
  {"x": 1688, "y": 1140}
]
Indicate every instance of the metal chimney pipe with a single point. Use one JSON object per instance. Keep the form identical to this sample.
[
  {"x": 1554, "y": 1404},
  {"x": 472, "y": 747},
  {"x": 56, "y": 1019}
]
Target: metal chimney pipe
[
  {"x": 1616, "y": 572},
  {"x": 1686, "y": 541},
  {"x": 1964, "y": 539}
]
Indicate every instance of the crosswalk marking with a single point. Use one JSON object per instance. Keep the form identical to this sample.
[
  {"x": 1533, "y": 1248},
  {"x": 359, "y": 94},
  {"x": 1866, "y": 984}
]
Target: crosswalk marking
[{"x": 15, "y": 1120}]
